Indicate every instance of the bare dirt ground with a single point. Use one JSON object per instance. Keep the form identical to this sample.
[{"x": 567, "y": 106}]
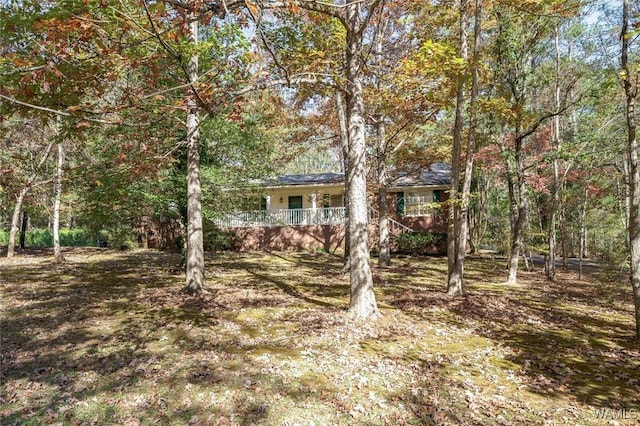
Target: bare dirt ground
[{"x": 108, "y": 338}]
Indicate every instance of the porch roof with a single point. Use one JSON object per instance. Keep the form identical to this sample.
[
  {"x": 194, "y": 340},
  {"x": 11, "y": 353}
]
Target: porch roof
[{"x": 313, "y": 179}]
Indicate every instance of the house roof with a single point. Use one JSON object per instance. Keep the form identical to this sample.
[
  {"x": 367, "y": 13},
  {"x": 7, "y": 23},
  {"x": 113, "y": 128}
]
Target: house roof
[
  {"x": 437, "y": 175},
  {"x": 308, "y": 179}
]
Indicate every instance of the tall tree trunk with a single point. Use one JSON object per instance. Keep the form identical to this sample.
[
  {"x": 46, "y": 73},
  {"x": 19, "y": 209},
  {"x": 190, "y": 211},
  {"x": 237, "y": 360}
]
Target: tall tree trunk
[
  {"x": 195, "y": 239},
  {"x": 555, "y": 193},
  {"x": 23, "y": 229},
  {"x": 631, "y": 91},
  {"x": 463, "y": 220},
  {"x": 344, "y": 147},
  {"x": 363, "y": 302},
  {"x": 454, "y": 280},
  {"x": 384, "y": 236},
  {"x": 57, "y": 251},
  {"x": 562, "y": 225},
  {"x": 15, "y": 220}
]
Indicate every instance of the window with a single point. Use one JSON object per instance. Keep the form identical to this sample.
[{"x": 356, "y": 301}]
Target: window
[
  {"x": 326, "y": 201},
  {"x": 337, "y": 201},
  {"x": 400, "y": 203},
  {"x": 252, "y": 203},
  {"x": 295, "y": 201},
  {"x": 416, "y": 204},
  {"x": 419, "y": 202}
]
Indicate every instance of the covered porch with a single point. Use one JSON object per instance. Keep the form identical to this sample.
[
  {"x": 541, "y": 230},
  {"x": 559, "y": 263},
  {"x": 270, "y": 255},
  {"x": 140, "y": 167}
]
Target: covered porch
[{"x": 283, "y": 217}]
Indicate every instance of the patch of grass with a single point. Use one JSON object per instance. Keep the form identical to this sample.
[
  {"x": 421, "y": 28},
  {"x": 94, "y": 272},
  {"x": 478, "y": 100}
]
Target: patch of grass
[{"x": 108, "y": 338}]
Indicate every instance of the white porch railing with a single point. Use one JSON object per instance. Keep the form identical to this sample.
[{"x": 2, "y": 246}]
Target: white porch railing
[
  {"x": 283, "y": 217},
  {"x": 396, "y": 228}
]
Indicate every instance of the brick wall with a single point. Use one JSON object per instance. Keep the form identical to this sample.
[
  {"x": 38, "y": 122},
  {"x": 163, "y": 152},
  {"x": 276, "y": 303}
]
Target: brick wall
[{"x": 295, "y": 238}]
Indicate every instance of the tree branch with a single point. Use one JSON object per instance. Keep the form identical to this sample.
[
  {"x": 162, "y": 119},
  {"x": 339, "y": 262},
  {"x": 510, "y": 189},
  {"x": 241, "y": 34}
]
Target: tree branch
[
  {"x": 296, "y": 80},
  {"x": 67, "y": 114}
]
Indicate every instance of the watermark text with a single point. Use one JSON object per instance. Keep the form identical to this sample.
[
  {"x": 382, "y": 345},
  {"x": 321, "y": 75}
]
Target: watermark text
[{"x": 616, "y": 413}]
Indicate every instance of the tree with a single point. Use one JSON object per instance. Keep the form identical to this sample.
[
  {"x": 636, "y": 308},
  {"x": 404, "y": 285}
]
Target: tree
[
  {"x": 458, "y": 230},
  {"x": 454, "y": 277},
  {"x": 29, "y": 148},
  {"x": 519, "y": 54},
  {"x": 57, "y": 251},
  {"x": 195, "y": 236},
  {"x": 630, "y": 82},
  {"x": 354, "y": 16},
  {"x": 407, "y": 85},
  {"x": 363, "y": 303},
  {"x": 43, "y": 74}
]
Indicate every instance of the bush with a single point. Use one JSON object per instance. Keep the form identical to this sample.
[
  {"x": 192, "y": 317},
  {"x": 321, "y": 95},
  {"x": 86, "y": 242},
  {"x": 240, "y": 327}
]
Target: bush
[
  {"x": 217, "y": 240},
  {"x": 421, "y": 243},
  {"x": 76, "y": 237},
  {"x": 119, "y": 237},
  {"x": 39, "y": 238}
]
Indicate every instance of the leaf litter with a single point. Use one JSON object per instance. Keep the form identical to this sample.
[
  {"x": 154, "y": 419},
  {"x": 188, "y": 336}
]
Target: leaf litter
[{"x": 108, "y": 338}]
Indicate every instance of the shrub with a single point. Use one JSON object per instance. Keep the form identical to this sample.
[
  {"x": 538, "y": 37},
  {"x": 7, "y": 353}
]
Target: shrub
[
  {"x": 76, "y": 237},
  {"x": 119, "y": 237},
  {"x": 421, "y": 243},
  {"x": 217, "y": 240},
  {"x": 39, "y": 238}
]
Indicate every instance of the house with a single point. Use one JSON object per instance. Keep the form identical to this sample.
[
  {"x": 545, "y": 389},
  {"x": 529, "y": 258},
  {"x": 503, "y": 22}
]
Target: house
[{"x": 307, "y": 212}]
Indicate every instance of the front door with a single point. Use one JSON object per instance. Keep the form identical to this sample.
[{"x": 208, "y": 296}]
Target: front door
[{"x": 295, "y": 209}]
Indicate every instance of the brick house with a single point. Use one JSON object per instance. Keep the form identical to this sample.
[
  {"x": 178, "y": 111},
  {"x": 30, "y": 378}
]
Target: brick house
[{"x": 307, "y": 212}]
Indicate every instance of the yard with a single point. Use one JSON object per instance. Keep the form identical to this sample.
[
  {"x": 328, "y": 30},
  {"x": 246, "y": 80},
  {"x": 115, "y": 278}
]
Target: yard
[{"x": 108, "y": 338}]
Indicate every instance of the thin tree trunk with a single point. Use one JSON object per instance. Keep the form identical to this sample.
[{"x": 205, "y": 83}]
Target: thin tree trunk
[
  {"x": 384, "y": 245},
  {"x": 23, "y": 229},
  {"x": 344, "y": 147},
  {"x": 583, "y": 230},
  {"x": 145, "y": 235},
  {"x": 625, "y": 197},
  {"x": 477, "y": 223},
  {"x": 631, "y": 91},
  {"x": 463, "y": 219},
  {"x": 57, "y": 251},
  {"x": 15, "y": 220},
  {"x": 363, "y": 302},
  {"x": 195, "y": 239},
  {"x": 526, "y": 247},
  {"x": 454, "y": 279},
  {"x": 11, "y": 247},
  {"x": 555, "y": 193},
  {"x": 563, "y": 230},
  {"x": 520, "y": 213}
]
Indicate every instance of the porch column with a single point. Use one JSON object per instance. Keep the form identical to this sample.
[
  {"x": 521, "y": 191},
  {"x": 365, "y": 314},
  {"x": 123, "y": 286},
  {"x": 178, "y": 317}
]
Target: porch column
[
  {"x": 314, "y": 207},
  {"x": 266, "y": 215}
]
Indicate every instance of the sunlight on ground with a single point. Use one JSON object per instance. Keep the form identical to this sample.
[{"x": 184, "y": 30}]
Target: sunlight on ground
[{"x": 108, "y": 338}]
